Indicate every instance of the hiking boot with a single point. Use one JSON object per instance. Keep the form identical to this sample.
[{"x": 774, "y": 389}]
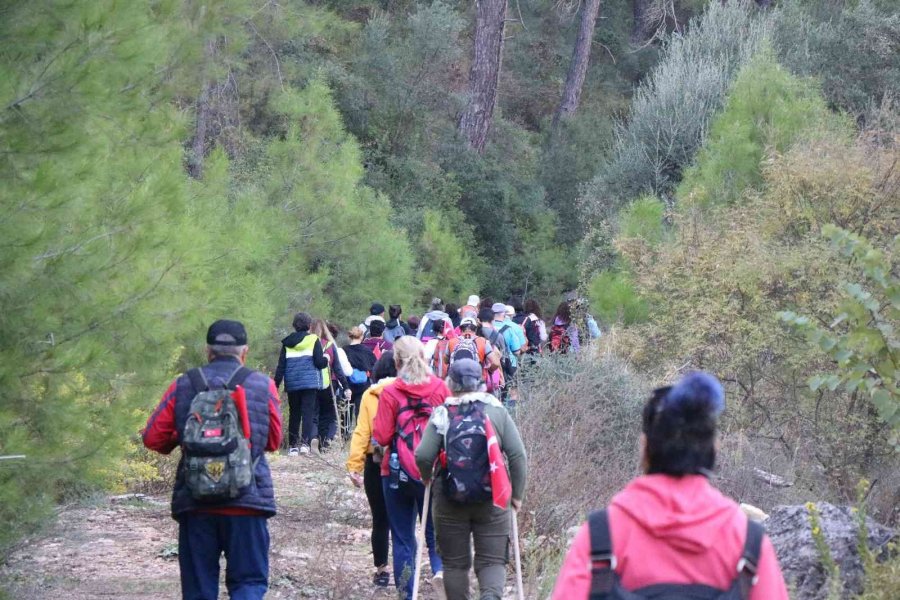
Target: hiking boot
[
  {"x": 304, "y": 449},
  {"x": 382, "y": 579},
  {"x": 437, "y": 584},
  {"x": 294, "y": 452},
  {"x": 314, "y": 445}
]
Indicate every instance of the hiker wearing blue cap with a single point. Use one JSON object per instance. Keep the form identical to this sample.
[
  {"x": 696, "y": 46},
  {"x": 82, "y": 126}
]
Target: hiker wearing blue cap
[{"x": 670, "y": 528}]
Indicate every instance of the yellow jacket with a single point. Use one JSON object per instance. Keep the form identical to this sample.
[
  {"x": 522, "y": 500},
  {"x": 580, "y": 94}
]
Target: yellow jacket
[{"x": 361, "y": 442}]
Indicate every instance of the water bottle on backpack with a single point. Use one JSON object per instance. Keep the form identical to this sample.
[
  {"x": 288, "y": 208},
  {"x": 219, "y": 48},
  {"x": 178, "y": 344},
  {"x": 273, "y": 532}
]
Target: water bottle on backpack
[{"x": 394, "y": 465}]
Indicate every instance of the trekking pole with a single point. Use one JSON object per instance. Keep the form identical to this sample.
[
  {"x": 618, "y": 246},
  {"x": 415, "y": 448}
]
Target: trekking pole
[
  {"x": 520, "y": 590},
  {"x": 420, "y": 541},
  {"x": 337, "y": 413}
]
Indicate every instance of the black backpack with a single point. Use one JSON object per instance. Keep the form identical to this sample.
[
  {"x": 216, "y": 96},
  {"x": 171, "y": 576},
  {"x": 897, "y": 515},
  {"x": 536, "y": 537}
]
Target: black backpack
[
  {"x": 605, "y": 582},
  {"x": 467, "y": 478}
]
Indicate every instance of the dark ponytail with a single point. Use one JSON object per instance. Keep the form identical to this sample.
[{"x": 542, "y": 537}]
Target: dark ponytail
[{"x": 680, "y": 425}]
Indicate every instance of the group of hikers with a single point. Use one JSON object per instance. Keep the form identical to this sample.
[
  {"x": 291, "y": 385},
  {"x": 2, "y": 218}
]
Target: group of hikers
[{"x": 441, "y": 461}]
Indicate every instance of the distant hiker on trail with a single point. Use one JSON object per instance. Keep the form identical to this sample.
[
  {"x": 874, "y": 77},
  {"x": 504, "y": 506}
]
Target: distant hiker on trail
[
  {"x": 300, "y": 366},
  {"x": 395, "y": 328},
  {"x": 563, "y": 332},
  {"x": 403, "y": 411},
  {"x": 453, "y": 311},
  {"x": 375, "y": 342},
  {"x": 362, "y": 361},
  {"x": 514, "y": 338},
  {"x": 225, "y": 417},
  {"x": 471, "y": 308},
  {"x": 436, "y": 312},
  {"x": 436, "y": 349},
  {"x": 468, "y": 436},
  {"x": 671, "y": 526},
  {"x": 376, "y": 313},
  {"x": 496, "y": 349},
  {"x": 334, "y": 386},
  {"x": 535, "y": 328},
  {"x": 364, "y": 464},
  {"x": 581, "y": 317}
]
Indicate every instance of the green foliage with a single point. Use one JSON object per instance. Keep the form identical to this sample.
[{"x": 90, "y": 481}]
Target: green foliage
[
  {"x": 862, "y": 340},
  {"x": 98, "y": 239},
  {"x": 614, "y": 298},
  {"x": 767, "y": 109},
  {"x": 851, "y": 46},
  {"x": 673, "y": 105},
  {"x": 716, "y": 287},
  {"x": 644, "y": 219},
  {"x": 447, "y": 263}
]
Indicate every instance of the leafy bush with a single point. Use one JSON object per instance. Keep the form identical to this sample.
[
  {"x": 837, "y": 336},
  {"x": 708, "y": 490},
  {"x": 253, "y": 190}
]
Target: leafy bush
[
  {"x": 614, "y": 298},
  {"x": 672, "y": 107},
  {"x": 767, "y": 109},
  {"x": 716, "y": 289},
  {"x": 862, "y": 339}
]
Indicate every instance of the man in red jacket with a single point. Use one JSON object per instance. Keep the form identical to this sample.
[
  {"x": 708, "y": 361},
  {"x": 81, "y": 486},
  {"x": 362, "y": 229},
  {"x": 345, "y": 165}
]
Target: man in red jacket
[{"x": 237, "y": 525}]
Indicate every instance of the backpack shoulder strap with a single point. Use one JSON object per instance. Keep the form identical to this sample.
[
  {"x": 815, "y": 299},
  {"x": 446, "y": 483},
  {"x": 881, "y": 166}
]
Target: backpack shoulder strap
[
  {"x": 198, "y": 380},
  {"x": 749, "y": 562},
  {"x": 603, "y": 562},
  {"x": 238, "y": 377}
]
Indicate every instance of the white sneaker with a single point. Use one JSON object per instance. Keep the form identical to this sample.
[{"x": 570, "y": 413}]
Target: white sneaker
[
  {"x": 293, "y": 452},
  {"x": 314, "y": 445},
  {"x": 437, "y": 583},
  {"x": 304, "y": 449}
]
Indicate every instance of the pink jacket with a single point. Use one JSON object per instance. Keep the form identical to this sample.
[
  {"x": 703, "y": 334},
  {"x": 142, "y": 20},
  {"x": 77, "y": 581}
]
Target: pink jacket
[{"x": 672, "y": 530}]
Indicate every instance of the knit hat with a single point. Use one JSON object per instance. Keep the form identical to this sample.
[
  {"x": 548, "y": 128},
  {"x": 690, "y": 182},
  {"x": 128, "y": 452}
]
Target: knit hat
[{"x": 376, "y": 309}]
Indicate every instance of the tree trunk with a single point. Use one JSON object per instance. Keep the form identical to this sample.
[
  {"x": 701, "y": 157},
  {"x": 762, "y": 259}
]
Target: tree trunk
[
  {"x": 198, "y": 144},
  {"x": 475, "y": 122},
  {"x": 641, "y": 30},
  {"x": 580, "y": 59}
]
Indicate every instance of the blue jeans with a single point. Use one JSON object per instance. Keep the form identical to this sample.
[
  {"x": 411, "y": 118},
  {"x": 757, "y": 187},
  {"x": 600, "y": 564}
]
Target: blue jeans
[
  {"x": 402, "y": 510},
  {"x": 202, "y": 538}
]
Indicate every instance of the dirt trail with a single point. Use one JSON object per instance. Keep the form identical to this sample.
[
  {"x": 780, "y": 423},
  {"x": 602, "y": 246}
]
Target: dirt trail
[{"x": 127, "y": 550}]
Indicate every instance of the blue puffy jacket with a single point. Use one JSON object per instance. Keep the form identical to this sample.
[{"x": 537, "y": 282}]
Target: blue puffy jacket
[{"x": 301, "y": 362}]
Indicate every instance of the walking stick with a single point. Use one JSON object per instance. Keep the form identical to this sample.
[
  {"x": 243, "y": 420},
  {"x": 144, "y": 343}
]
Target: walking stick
[
  {"x": 520, "y": 590},
  {"x": 337, "y": 413},
  {"x": 420, "y": 541}
]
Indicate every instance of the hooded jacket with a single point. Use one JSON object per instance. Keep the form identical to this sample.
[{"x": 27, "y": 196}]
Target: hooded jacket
[
  {"x": 301, "y": 362},
  {"x": 360, "y": 356},
  {"x": 677, "y": 530},
  {"x": 432, "y": 315},
  {"x": 434, "y": 391},
  {"x": 395, "y": 328}
]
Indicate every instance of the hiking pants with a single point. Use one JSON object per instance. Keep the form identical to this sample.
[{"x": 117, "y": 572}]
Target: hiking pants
[
  {"x": 356, "y": 391},
  {"x": 302, "y": 403},
  {"x": 381, "y": 529},
  {"x": 402, "y": 509},
  {"x": 327, "y": 418},
  {"x": 455, "y": 525},
  {"x": 203, "y": 537}
]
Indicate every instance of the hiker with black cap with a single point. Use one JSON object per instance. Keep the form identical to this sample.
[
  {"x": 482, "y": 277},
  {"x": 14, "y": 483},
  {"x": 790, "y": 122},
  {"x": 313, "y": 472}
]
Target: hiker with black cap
[
  {"x": 376, "y": 313},
  {"x": 300, "y": 366},
  {"x": 670, "y": 531},
  {"x": 472, "y": 492},
  {"x": 224, "y": 417}
]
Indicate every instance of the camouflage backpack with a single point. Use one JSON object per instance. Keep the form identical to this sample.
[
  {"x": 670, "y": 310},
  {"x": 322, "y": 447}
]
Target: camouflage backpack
[{"x": 217, "y": 461}]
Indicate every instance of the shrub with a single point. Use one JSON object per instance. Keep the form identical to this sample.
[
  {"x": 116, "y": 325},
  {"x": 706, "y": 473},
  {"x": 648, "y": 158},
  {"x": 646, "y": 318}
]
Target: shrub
[
  {"x": 851, "y": 46},
  {"x": 580, "y": 419},
  {"x": 673, "y": 106},
  {"x": 614, "y": 298},
  {"x": 767, "y": 109}
]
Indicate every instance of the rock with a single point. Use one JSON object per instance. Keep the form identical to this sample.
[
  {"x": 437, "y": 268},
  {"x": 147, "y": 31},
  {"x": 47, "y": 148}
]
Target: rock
[{"x": 790, "y": 531}]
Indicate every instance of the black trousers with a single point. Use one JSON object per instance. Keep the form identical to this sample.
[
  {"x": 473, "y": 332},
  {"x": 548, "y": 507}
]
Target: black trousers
[
  {"x": 381, "y": 529},
  {"x": 303, "y": 406}
]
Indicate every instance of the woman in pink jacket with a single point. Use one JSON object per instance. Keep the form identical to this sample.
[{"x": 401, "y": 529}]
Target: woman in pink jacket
[{"x": 671, "y": 527}]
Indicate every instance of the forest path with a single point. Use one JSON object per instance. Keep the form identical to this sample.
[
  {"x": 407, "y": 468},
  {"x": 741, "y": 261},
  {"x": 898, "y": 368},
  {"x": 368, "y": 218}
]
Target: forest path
[{"x": 127, "y": 549}]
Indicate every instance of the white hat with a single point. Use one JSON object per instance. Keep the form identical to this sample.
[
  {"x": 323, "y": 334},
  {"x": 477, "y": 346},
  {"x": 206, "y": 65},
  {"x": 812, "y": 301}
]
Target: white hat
[
  {"x": 510, "y": 310},
  {"x": 473, "y": 300}
]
